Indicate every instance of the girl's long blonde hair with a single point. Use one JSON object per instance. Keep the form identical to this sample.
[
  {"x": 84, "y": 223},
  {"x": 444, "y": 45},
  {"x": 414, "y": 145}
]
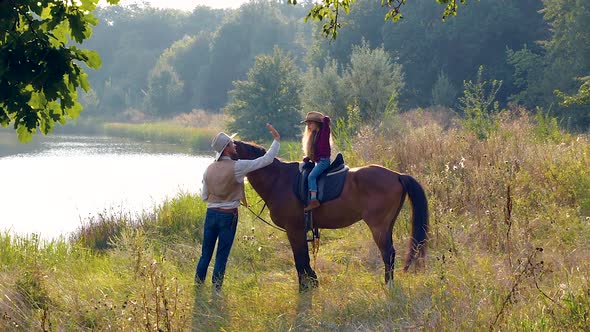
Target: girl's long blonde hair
[{"x": 308, "y": 140}]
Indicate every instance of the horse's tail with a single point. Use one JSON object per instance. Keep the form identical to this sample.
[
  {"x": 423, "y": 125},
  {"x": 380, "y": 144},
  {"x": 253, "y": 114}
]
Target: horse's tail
[{"x": 419, "y": 218}]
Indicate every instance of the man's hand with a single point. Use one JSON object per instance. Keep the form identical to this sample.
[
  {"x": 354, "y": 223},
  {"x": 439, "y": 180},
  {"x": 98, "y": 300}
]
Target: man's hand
[{"x": 273, "y": 131}]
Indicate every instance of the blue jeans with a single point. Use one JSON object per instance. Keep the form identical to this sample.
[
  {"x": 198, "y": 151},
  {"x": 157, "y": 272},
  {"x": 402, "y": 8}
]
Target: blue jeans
[
  {"x": 320, "y": 167},
  {"x": 218, "y": 226}
]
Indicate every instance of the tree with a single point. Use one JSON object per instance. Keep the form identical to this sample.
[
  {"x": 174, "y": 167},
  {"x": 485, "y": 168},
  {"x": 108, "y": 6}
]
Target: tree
[
  {"x": 270, "y": 94},
  {"x": 332, "y": 9},
  {"x": 580, "y": 98},
  {"x": 372, "y": 81},
  {"x": 40, "y": 69},
  {"x": 130, "y": 41},
  {"x": 568, "y": 57},
  {"x": 527, "y": 77},
  {"x": 323, "y": 91},
  {"x": 255, "y": 28},
  {"x": 551, "y": 76},
  {"x": 186, "y": 64},
  {"x": 190, "y": 57},
  {"x": 164, "y": 90},
  {"x": 425, "y": 46},
  {"x": 443, "y": 91}
]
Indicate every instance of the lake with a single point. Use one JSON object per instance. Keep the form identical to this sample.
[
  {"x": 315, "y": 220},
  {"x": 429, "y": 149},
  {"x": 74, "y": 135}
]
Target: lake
[{"x": 53, "y": 184}]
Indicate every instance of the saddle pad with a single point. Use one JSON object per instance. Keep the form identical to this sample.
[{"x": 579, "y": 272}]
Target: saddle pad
[{"x": 330, "y": 184}]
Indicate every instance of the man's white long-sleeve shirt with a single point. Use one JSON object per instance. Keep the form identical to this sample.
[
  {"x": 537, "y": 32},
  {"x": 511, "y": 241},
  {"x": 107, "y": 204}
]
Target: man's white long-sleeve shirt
[{"x": 241, "y": 169}]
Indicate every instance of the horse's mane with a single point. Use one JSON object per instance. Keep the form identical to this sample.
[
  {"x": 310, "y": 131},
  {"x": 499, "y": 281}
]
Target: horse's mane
[
  {"x": 254, "y": 149},
  {"x": 259, "y": 151}
]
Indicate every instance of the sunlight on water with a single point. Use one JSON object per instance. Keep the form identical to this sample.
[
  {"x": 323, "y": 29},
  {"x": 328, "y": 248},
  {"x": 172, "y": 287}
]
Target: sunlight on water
[{"x": 54, "y": 185}]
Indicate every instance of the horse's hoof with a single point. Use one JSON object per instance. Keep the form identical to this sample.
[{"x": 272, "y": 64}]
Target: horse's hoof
[
  {"x": 307, "y": 283},
  {"x": 306, "y": 288},
  {"x": 389, "y": 285}
]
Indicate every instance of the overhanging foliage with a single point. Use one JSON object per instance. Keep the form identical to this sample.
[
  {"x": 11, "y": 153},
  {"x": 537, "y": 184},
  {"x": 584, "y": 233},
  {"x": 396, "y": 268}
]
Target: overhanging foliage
[{"x": 40, "y": 68}]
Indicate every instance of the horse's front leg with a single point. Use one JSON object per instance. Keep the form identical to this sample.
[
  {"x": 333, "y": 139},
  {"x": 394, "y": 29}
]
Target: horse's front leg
[{"x": 307, "y": 276}]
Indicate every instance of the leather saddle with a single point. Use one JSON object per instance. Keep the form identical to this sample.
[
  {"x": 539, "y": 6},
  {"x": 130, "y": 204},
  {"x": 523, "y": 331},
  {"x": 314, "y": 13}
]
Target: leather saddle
[{"x": 330, "y": 182}]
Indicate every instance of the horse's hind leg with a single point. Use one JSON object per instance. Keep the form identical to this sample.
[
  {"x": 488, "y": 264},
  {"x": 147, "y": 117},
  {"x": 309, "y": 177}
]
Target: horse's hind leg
[{"x": 382, "y": 234}]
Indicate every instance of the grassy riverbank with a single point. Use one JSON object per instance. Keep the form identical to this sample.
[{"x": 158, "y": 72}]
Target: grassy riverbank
[
  {"x": 193, "y": 131},
  {"x": 195, "y": 139},
  {"x": 198, "y": 139},
  {"x": 508, "y": 250}
]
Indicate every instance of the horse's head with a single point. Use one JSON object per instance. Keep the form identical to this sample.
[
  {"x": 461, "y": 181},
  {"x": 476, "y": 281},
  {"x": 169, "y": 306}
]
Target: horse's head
[{"x": 248, "y": 150}]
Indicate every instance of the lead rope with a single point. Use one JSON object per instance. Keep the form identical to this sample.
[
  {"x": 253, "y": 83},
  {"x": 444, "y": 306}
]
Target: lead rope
[
  {"x": 315, "y": 245},
  {"x": 264, "y": 221},
  {"x": 315, "y": 233}
]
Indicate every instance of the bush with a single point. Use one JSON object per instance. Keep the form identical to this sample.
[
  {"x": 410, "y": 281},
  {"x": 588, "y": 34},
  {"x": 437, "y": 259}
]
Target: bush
[{"x": 478, "y": 106}]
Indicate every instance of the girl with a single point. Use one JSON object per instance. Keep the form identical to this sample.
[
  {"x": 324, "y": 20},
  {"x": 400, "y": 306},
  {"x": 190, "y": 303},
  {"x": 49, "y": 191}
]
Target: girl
[{"x": 316, "y": 147}]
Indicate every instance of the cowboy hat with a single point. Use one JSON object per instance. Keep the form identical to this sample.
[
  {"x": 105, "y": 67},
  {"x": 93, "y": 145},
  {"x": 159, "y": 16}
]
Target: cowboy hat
[
  {"x": 220, "y": 141},
  {"x": 313, "y": 116}
]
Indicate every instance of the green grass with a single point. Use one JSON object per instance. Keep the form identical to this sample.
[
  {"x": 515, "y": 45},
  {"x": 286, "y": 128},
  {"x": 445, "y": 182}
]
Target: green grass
[{"x": 508, "y": 250}]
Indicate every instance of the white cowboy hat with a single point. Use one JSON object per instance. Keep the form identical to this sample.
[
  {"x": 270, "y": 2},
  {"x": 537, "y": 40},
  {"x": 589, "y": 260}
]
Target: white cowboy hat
[{"x": 220, "y": 141}]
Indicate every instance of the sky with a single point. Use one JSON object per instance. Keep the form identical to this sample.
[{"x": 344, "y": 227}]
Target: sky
[{"x": 188, "y": 4}]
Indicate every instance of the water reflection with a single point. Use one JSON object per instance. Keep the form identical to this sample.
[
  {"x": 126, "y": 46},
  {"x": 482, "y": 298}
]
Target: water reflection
[{"x": 49, "y": 186}]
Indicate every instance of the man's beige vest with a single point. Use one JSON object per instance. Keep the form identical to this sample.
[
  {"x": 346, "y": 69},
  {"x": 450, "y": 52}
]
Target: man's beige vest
[{"x": 222, "y": 184}]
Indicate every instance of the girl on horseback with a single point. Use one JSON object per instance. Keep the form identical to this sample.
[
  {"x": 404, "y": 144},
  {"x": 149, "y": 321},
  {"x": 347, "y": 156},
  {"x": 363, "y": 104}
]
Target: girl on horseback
[{"x": 316, "y": 147}]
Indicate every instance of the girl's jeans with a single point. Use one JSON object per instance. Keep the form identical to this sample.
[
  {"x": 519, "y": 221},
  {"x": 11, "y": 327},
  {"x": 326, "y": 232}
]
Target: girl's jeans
[{"x": 320, "y": 167}]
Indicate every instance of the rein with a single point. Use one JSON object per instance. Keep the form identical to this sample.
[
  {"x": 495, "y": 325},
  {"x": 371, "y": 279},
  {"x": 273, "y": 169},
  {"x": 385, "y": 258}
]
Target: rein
[{"x": 259, "y": 217}]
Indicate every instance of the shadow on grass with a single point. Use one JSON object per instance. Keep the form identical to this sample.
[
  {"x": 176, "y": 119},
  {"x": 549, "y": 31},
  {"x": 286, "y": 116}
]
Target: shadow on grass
[
  {"x": 302, "y": 319},
  {"x": 210, "y": 310}
]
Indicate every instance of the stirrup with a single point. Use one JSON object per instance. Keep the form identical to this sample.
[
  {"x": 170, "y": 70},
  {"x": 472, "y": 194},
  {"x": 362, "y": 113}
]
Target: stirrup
[
  {"x": 312, "y": 235},
  {"x": 309, "y": 236}
]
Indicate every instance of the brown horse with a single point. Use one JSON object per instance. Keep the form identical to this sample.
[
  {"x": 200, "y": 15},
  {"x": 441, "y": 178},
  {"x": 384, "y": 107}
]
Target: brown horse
[{"x": 372, "y": 193}]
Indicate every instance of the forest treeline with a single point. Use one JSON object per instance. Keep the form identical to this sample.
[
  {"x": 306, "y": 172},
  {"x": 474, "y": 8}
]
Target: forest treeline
[{"x": 262, "y": 62}]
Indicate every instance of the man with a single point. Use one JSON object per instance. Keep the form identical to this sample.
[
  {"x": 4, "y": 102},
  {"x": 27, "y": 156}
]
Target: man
[{"x": 223, "y": 189}]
